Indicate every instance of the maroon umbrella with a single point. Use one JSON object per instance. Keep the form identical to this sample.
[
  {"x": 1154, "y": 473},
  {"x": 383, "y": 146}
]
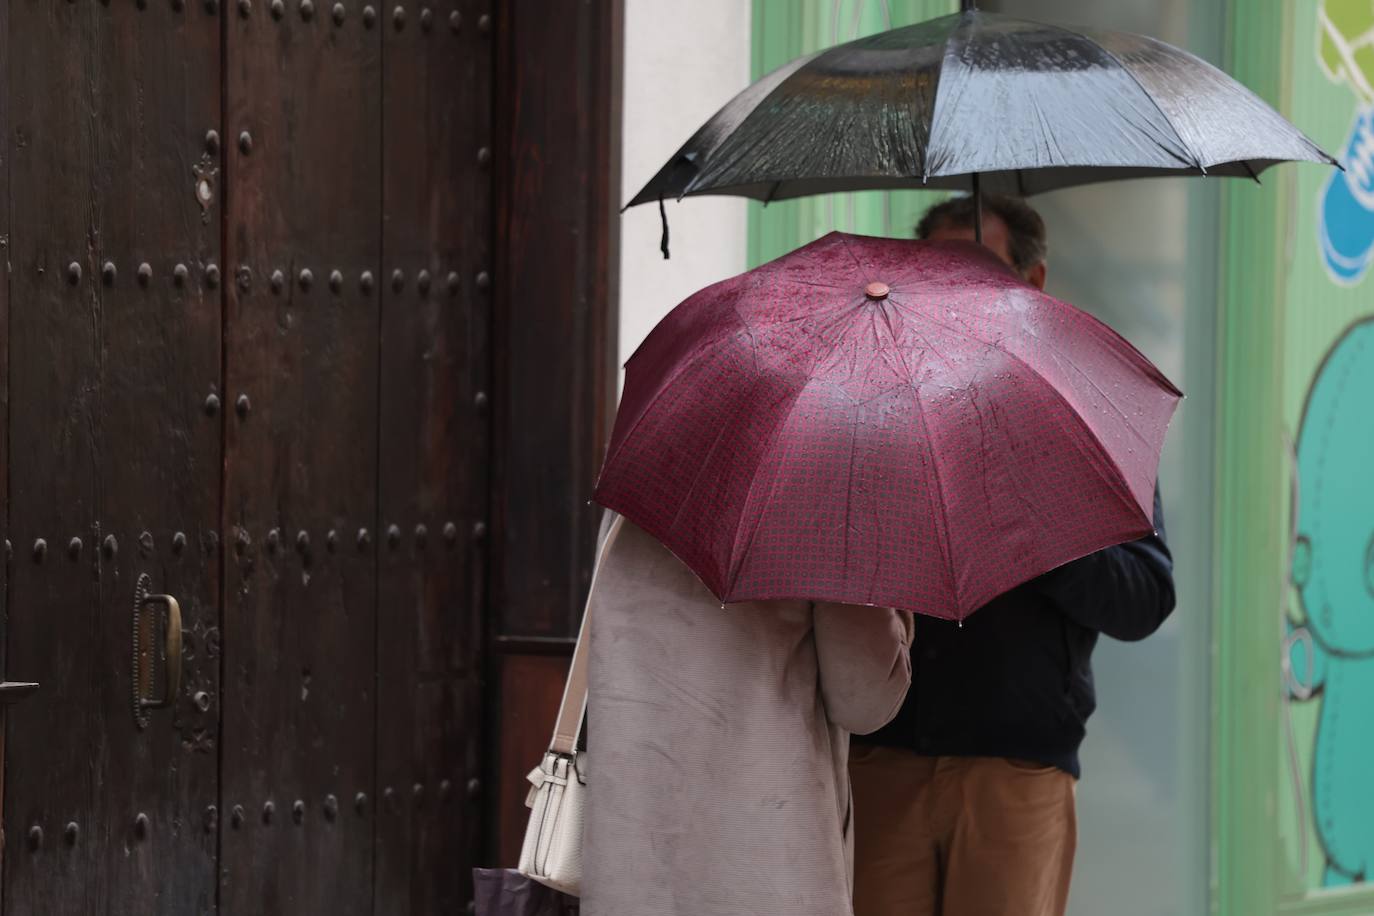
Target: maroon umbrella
[{"x": 884, "y": 422}]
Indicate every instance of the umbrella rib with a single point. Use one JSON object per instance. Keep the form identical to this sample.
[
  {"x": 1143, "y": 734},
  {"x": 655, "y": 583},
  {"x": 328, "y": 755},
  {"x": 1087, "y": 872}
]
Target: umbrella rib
[
  {"x": 611, "y": 456},
  {"x": 877, "y": 561},
  {"x": 740, "y": 405},
  {"x": 1059, "y": 396},
  {"x": 1197, "y": 160},
  {"x": 1048, "y": 134},
  {"x": 774, "y": 435},
  {"x": 817, "y": 286},
  {"x": 946, "y": 548},
  {"x": 849, "y": 501},
  {"x": 772, "y": 444},
  {"x": 705, "y": 347},
  {"x": 708, "y": 166},
  {"x": 1119, "y": 483},
  {"x": 1085, "y": 376},
  {"x": 678, "y": 372},
  {"x": 1058, "y": 353},
  {"x": 863, "y": 271},
  {"x": 937, "y": 97},
  {"x": 795, "y": 65}
]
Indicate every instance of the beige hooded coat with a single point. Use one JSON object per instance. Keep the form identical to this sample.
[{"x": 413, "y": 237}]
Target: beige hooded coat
[{"x": 718, "y": 738}]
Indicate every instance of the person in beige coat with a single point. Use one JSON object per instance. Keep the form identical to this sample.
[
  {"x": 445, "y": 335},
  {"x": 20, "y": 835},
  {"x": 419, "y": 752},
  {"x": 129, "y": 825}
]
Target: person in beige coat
[{"x": 718, "y": 739}]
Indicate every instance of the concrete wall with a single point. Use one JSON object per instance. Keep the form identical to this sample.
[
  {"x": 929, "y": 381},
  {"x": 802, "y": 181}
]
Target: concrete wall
[{"x": 683, "y": 61}]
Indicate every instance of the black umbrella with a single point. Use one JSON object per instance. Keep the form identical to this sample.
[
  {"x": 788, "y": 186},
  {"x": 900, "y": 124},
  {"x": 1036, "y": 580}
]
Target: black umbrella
[{"x": 978, "y": 101}]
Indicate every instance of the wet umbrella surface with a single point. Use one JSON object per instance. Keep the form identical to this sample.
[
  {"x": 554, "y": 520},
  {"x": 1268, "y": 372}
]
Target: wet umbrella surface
[
  {"x": 885, "y": 422},
  {"x": 1027, "y": 106}
]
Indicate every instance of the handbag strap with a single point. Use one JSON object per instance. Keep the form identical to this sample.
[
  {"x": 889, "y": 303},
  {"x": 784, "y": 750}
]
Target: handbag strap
[{"x": 572, "y": 711}]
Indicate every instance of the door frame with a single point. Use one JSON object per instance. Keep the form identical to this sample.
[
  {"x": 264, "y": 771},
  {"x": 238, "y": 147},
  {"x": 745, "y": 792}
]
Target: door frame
[{"x": 554, "y": 353}]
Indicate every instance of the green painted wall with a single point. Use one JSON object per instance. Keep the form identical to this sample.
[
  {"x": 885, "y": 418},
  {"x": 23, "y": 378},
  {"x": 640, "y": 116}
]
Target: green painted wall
[
  {"x": 784, "y": 30},
  {"x": 1250, "y": 489},
  {"x": 1321, "y": 301},
  {"x": 1285, "y": 308}
]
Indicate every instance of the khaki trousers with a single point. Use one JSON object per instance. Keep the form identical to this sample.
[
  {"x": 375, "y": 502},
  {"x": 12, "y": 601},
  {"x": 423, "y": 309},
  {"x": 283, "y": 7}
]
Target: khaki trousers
[{"x": 960, "y": 836}]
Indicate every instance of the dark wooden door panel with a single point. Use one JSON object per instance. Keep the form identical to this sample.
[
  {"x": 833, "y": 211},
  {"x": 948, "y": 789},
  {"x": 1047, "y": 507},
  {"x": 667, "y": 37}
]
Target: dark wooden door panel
[
  {"x": 250, "y": 354},
  {"x": 531, "y": 689},
  {"x": 555, "y": 368},
  {"x": 157, "y": 93},
  {"x": 54, "y": 374},
  {"x": 108, "y": 442},
  {"x": 434, "y": 451},
  {"x": 556, "y": 316},
  {"x": 304, "y": 217},
  {"x": 4, "y": 404}
]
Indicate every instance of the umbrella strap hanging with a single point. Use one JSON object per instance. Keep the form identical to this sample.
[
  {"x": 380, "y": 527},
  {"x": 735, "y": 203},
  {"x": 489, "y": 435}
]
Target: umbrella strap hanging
[{"x": 663, "y": 215}]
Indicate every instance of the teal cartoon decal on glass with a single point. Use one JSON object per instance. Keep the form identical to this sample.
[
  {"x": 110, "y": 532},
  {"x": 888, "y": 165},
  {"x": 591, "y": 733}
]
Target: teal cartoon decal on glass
[{"x": 1329, "y": 654}]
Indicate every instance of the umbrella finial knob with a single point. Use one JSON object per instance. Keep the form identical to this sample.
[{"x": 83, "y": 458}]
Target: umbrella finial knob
[{"x": 876, "y": 290}]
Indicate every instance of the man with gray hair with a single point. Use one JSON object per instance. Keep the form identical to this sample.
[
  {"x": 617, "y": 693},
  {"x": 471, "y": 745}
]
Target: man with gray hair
[
  {"x": 964, "y": 804},
  {"x": 1011, "y": 228}
]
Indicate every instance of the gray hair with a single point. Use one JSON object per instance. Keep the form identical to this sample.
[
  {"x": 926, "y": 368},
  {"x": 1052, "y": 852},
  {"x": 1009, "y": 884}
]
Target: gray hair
[{"x": 1026, "y": 228}]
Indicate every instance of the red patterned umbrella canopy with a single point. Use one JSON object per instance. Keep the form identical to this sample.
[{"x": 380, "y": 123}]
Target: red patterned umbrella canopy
[{"x": 884, "y": 422}]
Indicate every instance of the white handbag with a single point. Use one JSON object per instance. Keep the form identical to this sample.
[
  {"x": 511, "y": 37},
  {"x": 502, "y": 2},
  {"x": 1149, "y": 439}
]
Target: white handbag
[{"x": 552, "y": 853}]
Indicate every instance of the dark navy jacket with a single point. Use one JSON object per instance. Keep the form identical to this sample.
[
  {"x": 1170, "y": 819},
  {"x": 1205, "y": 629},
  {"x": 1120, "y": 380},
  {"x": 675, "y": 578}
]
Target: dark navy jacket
[{"x": 1016, "y": 679}]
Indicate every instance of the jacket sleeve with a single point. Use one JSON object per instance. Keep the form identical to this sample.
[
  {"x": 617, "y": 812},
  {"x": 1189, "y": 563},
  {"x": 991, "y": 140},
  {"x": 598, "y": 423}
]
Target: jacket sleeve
[
  {"x": 1125, "y": 592},
  {"x": 865, "y": 663}
]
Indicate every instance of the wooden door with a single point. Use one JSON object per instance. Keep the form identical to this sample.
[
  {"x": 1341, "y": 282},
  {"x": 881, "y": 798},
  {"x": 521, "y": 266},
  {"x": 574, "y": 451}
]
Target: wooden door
[
  {"x": 359, "y": 230},
  {"x": 303, "y": 204},
  {"x": 113, "y": 458},
  {"x": 554, "y": 341},
  {"x": 264, "y": 354},
  {"x": 247, "y": 323},
  {"x": 435, "y": 407}
]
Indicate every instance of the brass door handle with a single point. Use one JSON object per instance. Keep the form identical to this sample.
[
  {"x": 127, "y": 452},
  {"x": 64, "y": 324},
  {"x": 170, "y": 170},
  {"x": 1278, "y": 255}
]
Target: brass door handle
[
  {"x": 172, "y": 650},
  {"x": 152, "y": 653}
]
